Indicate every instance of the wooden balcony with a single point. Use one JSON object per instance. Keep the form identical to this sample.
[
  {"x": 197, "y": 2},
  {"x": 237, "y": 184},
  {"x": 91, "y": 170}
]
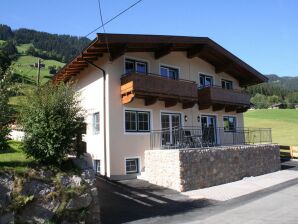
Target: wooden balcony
[
  {"x": 152, "y": 87},
  {"x": 219, "y": 98}
]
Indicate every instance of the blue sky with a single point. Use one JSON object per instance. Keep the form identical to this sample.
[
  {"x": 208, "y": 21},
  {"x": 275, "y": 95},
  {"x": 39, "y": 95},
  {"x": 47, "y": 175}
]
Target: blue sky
[{"x": 263, "y": 33}]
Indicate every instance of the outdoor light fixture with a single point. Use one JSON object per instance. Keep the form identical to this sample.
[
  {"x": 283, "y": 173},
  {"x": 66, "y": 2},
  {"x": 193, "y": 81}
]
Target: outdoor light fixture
[
  {"x": 199, "y": 118},
  {"x": 185, "y": 118}
]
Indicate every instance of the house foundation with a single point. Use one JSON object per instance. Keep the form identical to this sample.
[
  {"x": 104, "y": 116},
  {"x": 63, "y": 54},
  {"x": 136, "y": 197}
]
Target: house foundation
[{"x": 189, "y": 169}]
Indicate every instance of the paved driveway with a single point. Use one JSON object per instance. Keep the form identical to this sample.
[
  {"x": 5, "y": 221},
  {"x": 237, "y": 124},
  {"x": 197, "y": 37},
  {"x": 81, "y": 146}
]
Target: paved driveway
[{"x": 139, "y": 202}]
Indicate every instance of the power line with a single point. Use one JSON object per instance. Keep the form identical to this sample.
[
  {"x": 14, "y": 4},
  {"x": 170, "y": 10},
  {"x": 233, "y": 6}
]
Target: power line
[
  {"x": 103, "y": 27},
  {"x": 116, "y": 16}
]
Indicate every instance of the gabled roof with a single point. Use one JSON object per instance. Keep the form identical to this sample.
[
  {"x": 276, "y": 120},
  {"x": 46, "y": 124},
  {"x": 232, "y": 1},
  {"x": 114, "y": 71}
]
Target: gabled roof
[{"x": 161, "y": 45}]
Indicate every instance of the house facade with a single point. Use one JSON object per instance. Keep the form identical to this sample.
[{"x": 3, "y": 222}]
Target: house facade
[{"x": 137, "y": 90}]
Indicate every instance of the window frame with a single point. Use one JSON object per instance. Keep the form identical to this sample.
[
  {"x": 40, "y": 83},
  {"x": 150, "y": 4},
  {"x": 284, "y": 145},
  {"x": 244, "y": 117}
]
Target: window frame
[
  {"x": 137, "y": 159},
  {"x": 205, "y": 76},
  {"x": 137, "y": 129},
  {"x": 235, "y": 123},
  {"x": 225, "y": 85},
  {"x": 135, "y": 62},
  {"x": 168, "y": 69},
  {"x": 97, "y": 165},
  {"x": 96, "y": 124}
]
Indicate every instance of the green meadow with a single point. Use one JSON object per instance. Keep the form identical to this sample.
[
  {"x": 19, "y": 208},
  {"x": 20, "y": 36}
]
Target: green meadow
[{"x": 284, "y": 124}]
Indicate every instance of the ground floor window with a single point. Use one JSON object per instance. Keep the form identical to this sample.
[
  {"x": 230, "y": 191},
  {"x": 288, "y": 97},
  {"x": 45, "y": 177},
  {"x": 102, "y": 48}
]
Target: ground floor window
[
  {"x": 137, "y": 121},
  {"x": 132, "y": 165},
  {"x": 97, "y": 166},
  {"x": 229, "y": 123}
]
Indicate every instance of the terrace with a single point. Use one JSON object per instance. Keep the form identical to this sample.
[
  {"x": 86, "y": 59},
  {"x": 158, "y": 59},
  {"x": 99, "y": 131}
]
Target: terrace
[{"x": 196, "y": 138}]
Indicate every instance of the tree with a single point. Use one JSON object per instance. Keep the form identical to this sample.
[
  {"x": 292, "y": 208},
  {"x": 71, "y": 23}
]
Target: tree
[
  {"x": 260, "y": 101},
  {"x": 5, "y": 108},
  {"x": 51, "y": 118},
  {"x": 10, "y": 49},
  {"x": 292, "y": 99},
  {"x": 273, "y": 99},
  {"x": 31, "y": 51}
]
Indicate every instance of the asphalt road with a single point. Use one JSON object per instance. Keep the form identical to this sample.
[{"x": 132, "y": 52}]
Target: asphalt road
[{"x": 121, "y": 203}]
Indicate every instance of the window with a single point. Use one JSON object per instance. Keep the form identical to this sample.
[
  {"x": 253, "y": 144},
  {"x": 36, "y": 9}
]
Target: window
[
  {"x": 137, "y": 121},
  {"x": 206, "y": 80},
  {"x": 97, "y": 166},
  {"x": 225, "y": 84},
  {"x": 132, "y": 165},
  {"x": 171, "y": 73},
  {"x": 229, "y": 123},
  {"x": 135, "y": 66},
  {"x": 96, "y": 123}
]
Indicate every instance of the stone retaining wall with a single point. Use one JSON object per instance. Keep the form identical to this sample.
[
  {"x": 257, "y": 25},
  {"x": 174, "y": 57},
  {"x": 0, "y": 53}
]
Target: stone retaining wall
[{"x": 189, "y": 169}]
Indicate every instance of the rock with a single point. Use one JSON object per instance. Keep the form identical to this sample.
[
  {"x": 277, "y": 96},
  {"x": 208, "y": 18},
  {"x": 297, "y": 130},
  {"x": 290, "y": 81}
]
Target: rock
[
  {"x": 6, "y": 186},
  {"x": 73, "y": 181},
  {"x": 7, "y": 218},
  {"x": 37, "y": 188},
  {"x": 39, "y": 211},
  {"x": 94, "y": 192},
  {"x": 80, "y": 202},
  {"x": 88, "y": 176},
  {"x": 46, "y": 174}
]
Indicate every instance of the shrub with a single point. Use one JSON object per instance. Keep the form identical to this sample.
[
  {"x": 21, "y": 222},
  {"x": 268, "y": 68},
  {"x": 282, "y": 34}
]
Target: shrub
[{"x": 52, "y": 119}]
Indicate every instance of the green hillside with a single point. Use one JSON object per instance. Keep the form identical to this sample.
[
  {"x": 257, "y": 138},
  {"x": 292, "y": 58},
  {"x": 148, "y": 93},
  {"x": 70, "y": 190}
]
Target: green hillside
[
  {"x": 26, "y": 72},
  {"x": 284, "y": 124}
]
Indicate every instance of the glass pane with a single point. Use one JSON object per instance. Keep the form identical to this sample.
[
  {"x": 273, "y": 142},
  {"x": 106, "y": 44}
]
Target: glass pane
[
  {"x": 208, "y": 81},
  {"x": 164, "y": 71},
  {"x": 143, "y": 121},
  {"x": 130, "y": 121},
  {"x": 202, "y": 80},
  {"x": 141, "y": 67},
  {"x": 175, "y": 121},
  {"x": 173, "y": 73},
  {"x": 165, "y": 121},
  {"x": 129, "y": 66}
]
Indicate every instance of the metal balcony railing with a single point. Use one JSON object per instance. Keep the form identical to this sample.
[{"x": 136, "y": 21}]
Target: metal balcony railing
[{"x": 194, "y": 137}]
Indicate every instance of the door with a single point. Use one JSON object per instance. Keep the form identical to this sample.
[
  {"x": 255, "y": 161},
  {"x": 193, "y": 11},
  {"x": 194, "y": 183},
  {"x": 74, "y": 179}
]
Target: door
[
  {"x": 209, "y": 130},
  {"x": 170, "y": 122}
]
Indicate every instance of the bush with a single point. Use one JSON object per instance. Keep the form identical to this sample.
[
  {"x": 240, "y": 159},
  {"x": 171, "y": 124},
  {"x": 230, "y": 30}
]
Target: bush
[
  {"x": 52, "y": 119},
  {"x": 5, "y": 93}
]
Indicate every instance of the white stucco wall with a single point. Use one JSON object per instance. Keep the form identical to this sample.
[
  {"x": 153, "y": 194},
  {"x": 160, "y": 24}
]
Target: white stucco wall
[{"x": 121, "y": 145}]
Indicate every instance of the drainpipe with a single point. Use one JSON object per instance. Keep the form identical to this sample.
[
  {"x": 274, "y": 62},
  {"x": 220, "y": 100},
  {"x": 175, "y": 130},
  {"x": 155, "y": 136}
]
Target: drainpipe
[{"x": 104, "y": 111}]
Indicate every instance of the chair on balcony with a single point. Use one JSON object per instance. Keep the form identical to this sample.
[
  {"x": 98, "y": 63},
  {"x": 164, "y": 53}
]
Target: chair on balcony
[{"x": 190, "y": 139}]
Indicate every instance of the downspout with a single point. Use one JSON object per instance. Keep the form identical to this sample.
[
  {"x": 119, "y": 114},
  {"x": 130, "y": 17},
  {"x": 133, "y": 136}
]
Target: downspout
[{"x": 104, "y": 112}]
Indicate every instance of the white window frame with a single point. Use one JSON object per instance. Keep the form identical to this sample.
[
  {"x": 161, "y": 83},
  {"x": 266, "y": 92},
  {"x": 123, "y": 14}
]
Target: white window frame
[
  {"x": 138, "y": 165},
  {"x": 227, "y": 81},
  {"x": 223, "y": 122},
  {"x": 169, "y": 66},
  {"x": 95, "y": 128},
  {"x": 208, "y": 75},
  {"x": 137, "y": 60},
  {"x": 137, "y": 110},
  {"x": 97, "y": 168}
]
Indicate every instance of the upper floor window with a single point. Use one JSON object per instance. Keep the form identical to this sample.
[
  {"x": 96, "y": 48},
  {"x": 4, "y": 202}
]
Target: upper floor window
[
  {"x": 137, "y": 121},
  {"x": 229, "y": 123},
  {"x": 206, "y": 80},
  {"x": 96, "y": 123},
  {"x": 135, "y": 66},
  {"x": 226, "y": 84},
  {"x": 168, "y": 72}
]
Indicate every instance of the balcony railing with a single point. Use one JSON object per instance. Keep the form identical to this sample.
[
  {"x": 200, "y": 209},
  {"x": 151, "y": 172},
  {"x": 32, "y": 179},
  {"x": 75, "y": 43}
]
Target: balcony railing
[
  {"x": 194, "y": 137},
  {"x": 154, "y": 86},
  {"x": 213, "y": 95}
]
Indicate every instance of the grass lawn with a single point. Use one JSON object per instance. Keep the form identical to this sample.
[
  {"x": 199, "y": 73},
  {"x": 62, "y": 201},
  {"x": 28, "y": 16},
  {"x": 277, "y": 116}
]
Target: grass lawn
[
  {"x": 15, "y": 159},
  {"x": 284, "y": 124},
  {"x": 23, "y": 48},
  {"x": 22, "y": 67}
]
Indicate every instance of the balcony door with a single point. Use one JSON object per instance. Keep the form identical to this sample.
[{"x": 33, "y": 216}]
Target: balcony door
[
  {"x": 169, "y": 123},
  {"x": 209, "y": 130}
]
